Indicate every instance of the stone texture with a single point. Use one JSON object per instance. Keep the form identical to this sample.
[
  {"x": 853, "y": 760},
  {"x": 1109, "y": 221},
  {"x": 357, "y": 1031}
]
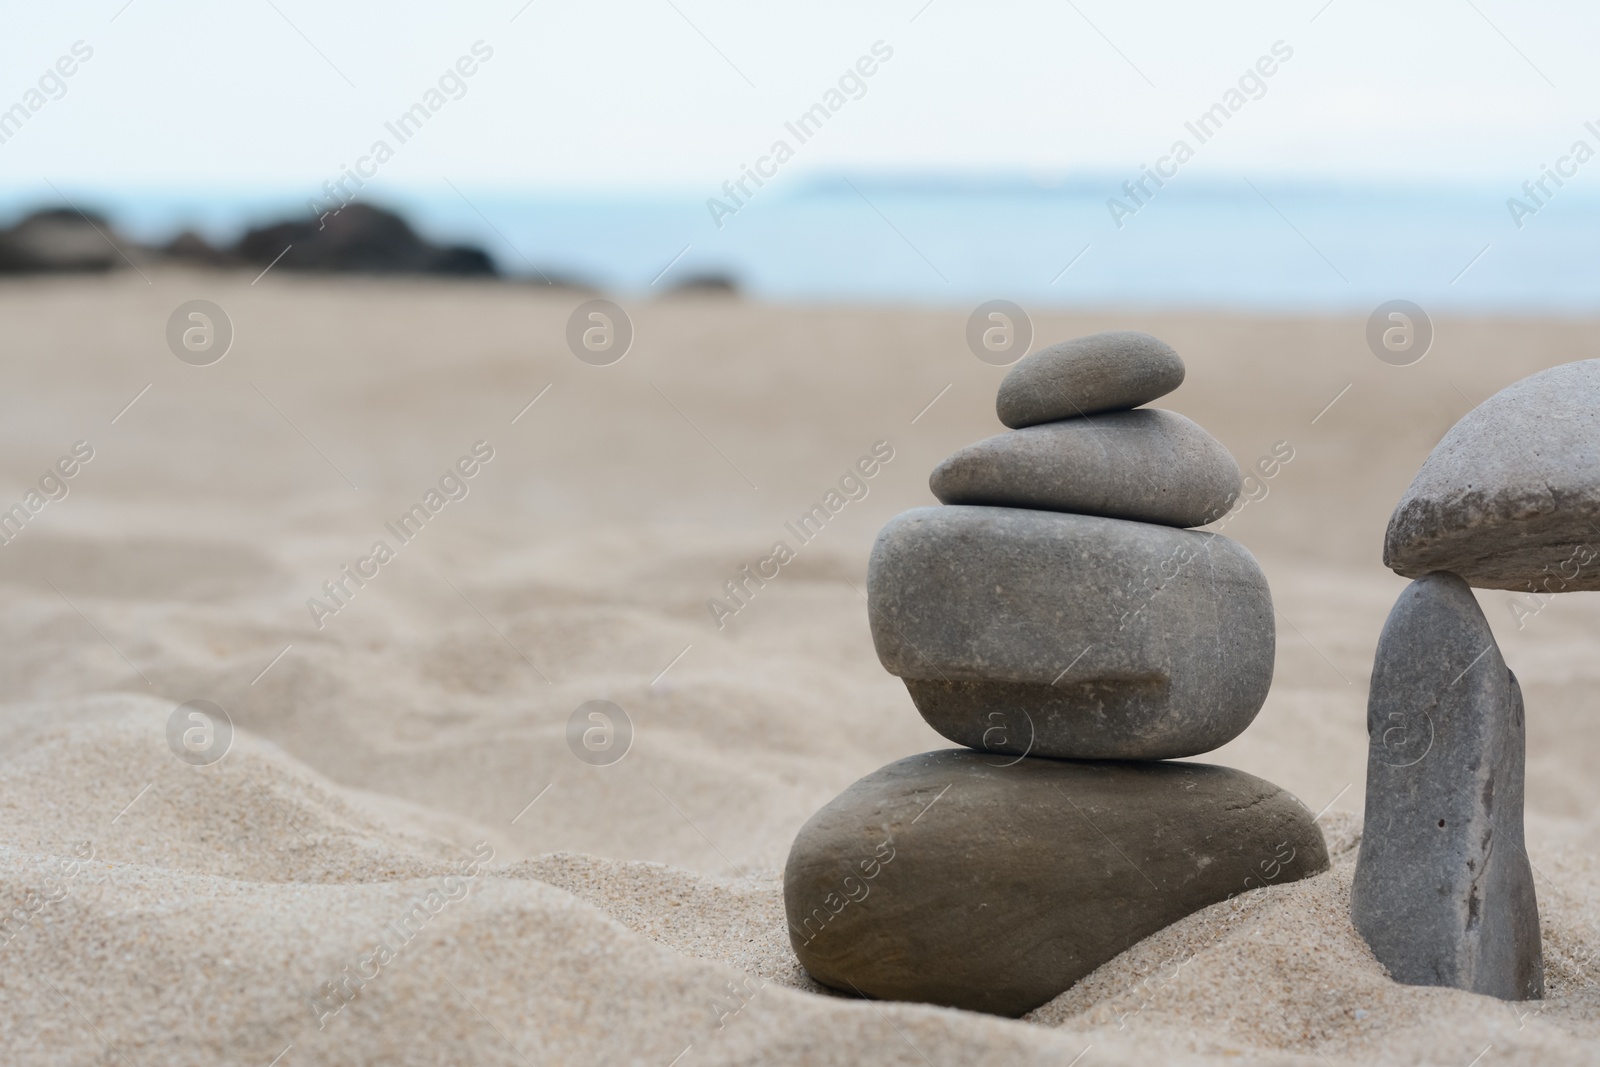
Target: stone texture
[
  {"x": 1102, "y": 372},
  {"x": 1443, "y": 890},
  {"x": 1042, "y": 633},
  {"x": 1510, "y": 498},
  {"x": 1148, "y": 465},
  {"x": 959, "y": 879}
]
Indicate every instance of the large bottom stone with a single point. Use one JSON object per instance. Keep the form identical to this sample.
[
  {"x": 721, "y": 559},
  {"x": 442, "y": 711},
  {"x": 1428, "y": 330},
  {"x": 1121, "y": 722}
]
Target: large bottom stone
[
  {"x": 1443, "y": 889},
  {"x": 993, "y": 884}
]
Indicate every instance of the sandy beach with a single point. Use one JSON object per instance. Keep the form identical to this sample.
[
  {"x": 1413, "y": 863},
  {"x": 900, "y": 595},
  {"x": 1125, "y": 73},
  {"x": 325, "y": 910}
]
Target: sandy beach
[{"x": 414, "y": 740}]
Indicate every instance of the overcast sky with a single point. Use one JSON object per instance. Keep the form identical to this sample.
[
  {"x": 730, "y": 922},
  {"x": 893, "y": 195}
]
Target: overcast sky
[{"x": 639, "y": 95}]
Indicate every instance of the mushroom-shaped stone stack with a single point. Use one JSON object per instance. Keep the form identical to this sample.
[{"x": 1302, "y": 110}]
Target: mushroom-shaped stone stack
[
  {"x": 1059, "y": 619},
  {"x": 1509, "y": 499}
]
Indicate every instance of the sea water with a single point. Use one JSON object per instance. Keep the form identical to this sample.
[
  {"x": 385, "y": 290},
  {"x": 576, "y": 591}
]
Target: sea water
[{"x": 1243, "y": 243}]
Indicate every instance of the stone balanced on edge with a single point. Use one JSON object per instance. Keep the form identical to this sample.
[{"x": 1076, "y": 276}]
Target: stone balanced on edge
[
  {"x": 1508, "y": 499},
  {"x": 1058, "y": 618}
]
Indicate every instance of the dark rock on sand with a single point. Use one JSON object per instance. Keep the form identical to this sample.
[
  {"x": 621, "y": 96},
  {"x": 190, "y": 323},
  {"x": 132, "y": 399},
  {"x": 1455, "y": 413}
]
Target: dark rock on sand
[
  {"x": 709, "y": 283},
  {"x": 1443, "y": 889},
  {"x": 947, "y": 879},
  {"x": 1051, "y": 634},
  {"x": 60, "y": 241},
  {"x": 358, "y": 239},
  {"x": 194, "y": 250}
]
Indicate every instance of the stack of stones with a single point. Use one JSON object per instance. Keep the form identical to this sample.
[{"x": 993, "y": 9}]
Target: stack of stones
[
  {"x": 1509, "y": 499},
  {"x": 1058, "y": 618}
]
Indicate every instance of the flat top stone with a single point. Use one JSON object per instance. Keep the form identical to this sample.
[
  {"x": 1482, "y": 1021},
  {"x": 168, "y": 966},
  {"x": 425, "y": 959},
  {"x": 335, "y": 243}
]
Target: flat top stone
[
  {"x": 1109, "y": 371},
  {"x": 1148, "y": 465},
  {"x": 1510, "y": 497}
]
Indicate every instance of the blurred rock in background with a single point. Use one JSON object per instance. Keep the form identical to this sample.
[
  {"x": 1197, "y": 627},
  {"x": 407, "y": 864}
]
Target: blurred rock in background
[
  {"x": 358, "y": 239},
  {"x": 59, "y": 240},
  {"x": 194, "y": 250}
]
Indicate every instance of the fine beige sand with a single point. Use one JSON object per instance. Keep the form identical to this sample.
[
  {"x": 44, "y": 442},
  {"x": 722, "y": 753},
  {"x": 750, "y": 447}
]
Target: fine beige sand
[{"x": 632, "y": 913}]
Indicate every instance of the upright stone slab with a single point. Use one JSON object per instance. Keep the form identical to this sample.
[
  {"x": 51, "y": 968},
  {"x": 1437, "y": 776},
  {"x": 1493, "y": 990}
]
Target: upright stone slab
[{"x": 1443, "y": 889}]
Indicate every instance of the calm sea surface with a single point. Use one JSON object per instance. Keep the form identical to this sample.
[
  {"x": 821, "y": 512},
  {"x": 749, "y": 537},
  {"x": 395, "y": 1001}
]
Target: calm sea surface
[{"x": 1256, "y": 244}]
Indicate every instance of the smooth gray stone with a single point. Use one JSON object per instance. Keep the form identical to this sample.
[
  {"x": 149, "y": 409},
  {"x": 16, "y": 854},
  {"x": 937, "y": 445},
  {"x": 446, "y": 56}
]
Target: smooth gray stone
[
  {"x": 1102, "y": 372},
  {"x": 1443, "y": 889},
  {"x": 960, "y": 879},
  {"x": 1148, "y": 466},
  {"x": 1510, "y": 497},
  {"x": 1043, "y": 633}
]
